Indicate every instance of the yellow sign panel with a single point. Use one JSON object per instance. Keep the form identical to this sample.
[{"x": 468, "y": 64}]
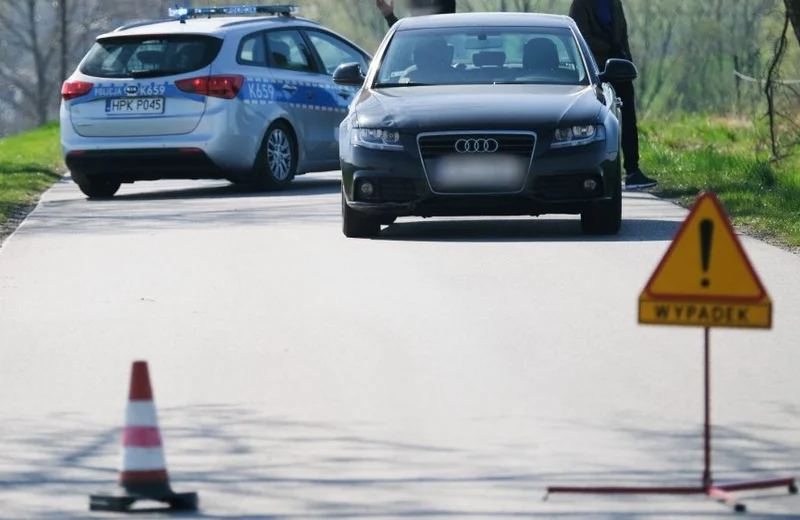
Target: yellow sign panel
[
  {"x": 705, "y": 278},
  {"x": 729, "y": 315}
]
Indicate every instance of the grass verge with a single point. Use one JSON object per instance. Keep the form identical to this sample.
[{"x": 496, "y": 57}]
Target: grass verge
[
  {"x": 690, "y": 154},
  {"x": 30, "y": 163}
]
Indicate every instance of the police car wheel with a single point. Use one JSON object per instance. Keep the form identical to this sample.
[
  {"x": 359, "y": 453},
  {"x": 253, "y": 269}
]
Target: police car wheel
[
  {"x": 95, "y": 188},
  {"x": 276, "y": 163}
]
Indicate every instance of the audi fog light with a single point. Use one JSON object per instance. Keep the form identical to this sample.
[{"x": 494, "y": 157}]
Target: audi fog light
[
  {"x": 366, "y": 188},
  {"x": 589, "y": 184}
]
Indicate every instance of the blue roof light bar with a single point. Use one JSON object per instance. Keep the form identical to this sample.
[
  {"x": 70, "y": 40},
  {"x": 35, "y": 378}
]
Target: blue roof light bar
[{"x": 233, "y": 10}]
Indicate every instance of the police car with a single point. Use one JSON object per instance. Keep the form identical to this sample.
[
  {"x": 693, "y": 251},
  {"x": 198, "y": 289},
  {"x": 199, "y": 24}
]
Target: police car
[{"x": 242, "y": 93}]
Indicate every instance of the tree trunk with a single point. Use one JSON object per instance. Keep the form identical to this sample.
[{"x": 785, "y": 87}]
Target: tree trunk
[
  {"x": 793, "y": 12},
  {"x": 64, "y": 40}
]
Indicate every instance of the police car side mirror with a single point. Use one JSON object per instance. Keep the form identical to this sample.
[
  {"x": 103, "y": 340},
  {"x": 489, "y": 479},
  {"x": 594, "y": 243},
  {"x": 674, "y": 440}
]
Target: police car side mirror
[
  {"x": 619, "y": 70},
  {"x": 348, "y": 74}
]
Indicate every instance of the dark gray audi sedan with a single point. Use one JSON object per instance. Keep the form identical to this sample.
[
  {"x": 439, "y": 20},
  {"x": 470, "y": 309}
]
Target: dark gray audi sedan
[{"x": 482, "y": 114}]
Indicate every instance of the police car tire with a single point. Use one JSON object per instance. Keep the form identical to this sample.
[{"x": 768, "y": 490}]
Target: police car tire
[
  {"x": 264, "y": 178},
  {"x": 98, "y": 188}
]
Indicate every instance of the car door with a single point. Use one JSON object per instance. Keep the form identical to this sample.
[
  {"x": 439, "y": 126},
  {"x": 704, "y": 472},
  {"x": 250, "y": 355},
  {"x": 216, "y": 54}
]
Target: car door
[
  {"x": 299, "y": 80},
  {"x": 259, "y": 89},
  {"x": 332, "y": 51}
]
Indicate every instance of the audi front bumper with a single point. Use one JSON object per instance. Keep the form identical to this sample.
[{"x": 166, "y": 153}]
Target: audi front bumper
[{"x": 397, "y": 183}]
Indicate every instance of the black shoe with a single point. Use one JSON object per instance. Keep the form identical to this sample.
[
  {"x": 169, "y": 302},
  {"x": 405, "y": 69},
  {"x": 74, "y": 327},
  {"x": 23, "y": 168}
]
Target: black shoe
[{"x": 638, "y": 181}]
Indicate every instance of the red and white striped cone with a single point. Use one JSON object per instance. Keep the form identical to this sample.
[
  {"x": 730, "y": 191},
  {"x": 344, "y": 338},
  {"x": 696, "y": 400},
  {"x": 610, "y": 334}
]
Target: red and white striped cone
[
  {"x": 143, "y": 473},
  {"x": 144, "y": 468}
]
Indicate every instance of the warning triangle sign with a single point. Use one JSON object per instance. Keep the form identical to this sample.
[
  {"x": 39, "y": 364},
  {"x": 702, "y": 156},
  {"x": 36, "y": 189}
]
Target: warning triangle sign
[{"x": 706, "y": 261}]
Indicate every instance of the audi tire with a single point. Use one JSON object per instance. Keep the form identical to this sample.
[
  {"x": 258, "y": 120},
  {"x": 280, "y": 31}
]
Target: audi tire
[
  {"x": 604, "y": 218},
  {"x": 358, "y": 225}
]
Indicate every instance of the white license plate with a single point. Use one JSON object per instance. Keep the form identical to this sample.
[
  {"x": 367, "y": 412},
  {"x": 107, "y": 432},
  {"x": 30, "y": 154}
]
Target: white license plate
[
  {"x": 135, "y": 106},
  {"x": 481, "y": 172}
]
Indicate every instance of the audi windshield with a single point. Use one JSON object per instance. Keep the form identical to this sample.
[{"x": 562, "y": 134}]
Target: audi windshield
[{"x": 480, "y": 56}]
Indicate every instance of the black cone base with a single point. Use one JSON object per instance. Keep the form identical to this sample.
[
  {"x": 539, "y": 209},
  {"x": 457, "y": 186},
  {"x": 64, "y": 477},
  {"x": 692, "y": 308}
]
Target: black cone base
[{"x": 122, "y": 502}]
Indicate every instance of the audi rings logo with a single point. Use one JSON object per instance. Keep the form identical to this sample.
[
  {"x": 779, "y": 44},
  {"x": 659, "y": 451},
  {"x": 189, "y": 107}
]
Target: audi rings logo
[{"x": 477, "y": 146}]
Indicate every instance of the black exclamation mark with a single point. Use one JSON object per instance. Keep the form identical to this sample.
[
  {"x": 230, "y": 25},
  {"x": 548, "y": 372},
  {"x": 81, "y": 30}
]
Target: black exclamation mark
[{"x": 706, "y": 233}]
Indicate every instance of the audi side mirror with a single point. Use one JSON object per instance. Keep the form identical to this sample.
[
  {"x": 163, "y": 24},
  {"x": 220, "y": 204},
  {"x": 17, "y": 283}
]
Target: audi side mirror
[
  {"x": 348, "y": 74},
  {"x": 619, "y": 70}
]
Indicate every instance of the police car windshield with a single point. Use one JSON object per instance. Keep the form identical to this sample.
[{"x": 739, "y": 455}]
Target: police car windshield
[
  {"x": 150, "y": 56},
  {"x": 480, "y": 55}
]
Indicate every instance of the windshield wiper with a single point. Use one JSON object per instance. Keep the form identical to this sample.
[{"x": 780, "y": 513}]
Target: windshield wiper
[{"x": 412, "y": 84}]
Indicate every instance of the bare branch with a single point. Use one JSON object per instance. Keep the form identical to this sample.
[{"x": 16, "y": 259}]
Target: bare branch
[{"x": 780, "y": 50}]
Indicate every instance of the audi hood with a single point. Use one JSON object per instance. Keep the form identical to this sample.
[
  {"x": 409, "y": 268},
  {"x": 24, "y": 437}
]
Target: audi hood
[{"x": 485, "y": 107}]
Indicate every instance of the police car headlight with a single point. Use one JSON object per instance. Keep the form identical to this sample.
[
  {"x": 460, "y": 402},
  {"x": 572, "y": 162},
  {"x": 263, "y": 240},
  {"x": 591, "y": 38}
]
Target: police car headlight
[
  {"x": 377, "y": 138},
  {"x": 578, "y": 135}
]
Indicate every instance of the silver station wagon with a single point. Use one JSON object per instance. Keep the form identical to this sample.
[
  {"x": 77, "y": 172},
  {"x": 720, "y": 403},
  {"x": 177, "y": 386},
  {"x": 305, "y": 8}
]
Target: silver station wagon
[{"x": 240, "y": 93}]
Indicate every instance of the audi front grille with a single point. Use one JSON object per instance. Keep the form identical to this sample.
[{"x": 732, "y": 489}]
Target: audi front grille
[{"x": 434, "y": 147}]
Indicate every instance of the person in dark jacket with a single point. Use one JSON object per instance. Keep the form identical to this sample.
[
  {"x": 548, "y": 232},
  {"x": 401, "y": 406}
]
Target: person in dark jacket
[
  {"x": 603, "y": 25},
  {"x": 418, "y": 7}
]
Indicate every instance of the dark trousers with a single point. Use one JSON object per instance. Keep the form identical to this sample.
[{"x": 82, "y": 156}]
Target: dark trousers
[{"x": 630, "y": 132}]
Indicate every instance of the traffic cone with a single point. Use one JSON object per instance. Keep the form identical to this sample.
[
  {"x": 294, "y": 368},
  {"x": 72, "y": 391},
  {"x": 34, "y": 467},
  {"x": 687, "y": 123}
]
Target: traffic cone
[{"x": 143, "y": 473}]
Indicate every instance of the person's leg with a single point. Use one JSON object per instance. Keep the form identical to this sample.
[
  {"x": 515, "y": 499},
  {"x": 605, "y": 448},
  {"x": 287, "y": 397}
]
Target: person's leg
[
  {"x": 630, "y": 137},
  {"x": 630, "y": 133}
]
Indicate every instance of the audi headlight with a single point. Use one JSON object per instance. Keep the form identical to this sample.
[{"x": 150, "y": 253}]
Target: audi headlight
[
  {"x": 377, "y": 138},
  {"x": 578, "y": 135}
]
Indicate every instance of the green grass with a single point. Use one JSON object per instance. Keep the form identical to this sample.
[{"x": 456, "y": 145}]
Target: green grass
[
  {"x": 690, "y": 154},
  {"x": 29, "y": 164}
]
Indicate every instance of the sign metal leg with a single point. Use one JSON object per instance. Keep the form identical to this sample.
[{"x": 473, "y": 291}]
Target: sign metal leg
[
  {"x": 707, "y": 482},
  {"x": 720, "y": 493}
]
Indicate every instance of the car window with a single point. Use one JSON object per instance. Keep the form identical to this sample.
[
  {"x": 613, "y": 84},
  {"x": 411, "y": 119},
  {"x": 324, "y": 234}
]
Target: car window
[
  {"x": 480, "y": 55},
  {"x": 252, "y": 50},
  {"x": 150, "y": 56},
  {"x": 288, "y": 51},
  {"x": 334, "y": 52}
]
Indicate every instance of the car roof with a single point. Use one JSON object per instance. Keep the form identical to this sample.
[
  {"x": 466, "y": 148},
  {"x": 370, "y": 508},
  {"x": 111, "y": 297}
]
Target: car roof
[
  {"x": 490, "y": 19},
  {"x": 218, "y": 26}
]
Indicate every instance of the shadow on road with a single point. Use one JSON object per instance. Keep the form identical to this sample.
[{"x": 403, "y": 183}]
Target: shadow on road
[
  {"x": 739, "y": 452},
  {"x": 534, "y": 230},
  {"x": 186, "y": 209},
  {"x": 301, "y": 186},
  {"x": 314, "y": 201},
  {"x": 238, "y": 459}
]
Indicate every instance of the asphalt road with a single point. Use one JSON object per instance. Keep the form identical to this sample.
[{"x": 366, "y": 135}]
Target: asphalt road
[{"x": 450, "y": 369}]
